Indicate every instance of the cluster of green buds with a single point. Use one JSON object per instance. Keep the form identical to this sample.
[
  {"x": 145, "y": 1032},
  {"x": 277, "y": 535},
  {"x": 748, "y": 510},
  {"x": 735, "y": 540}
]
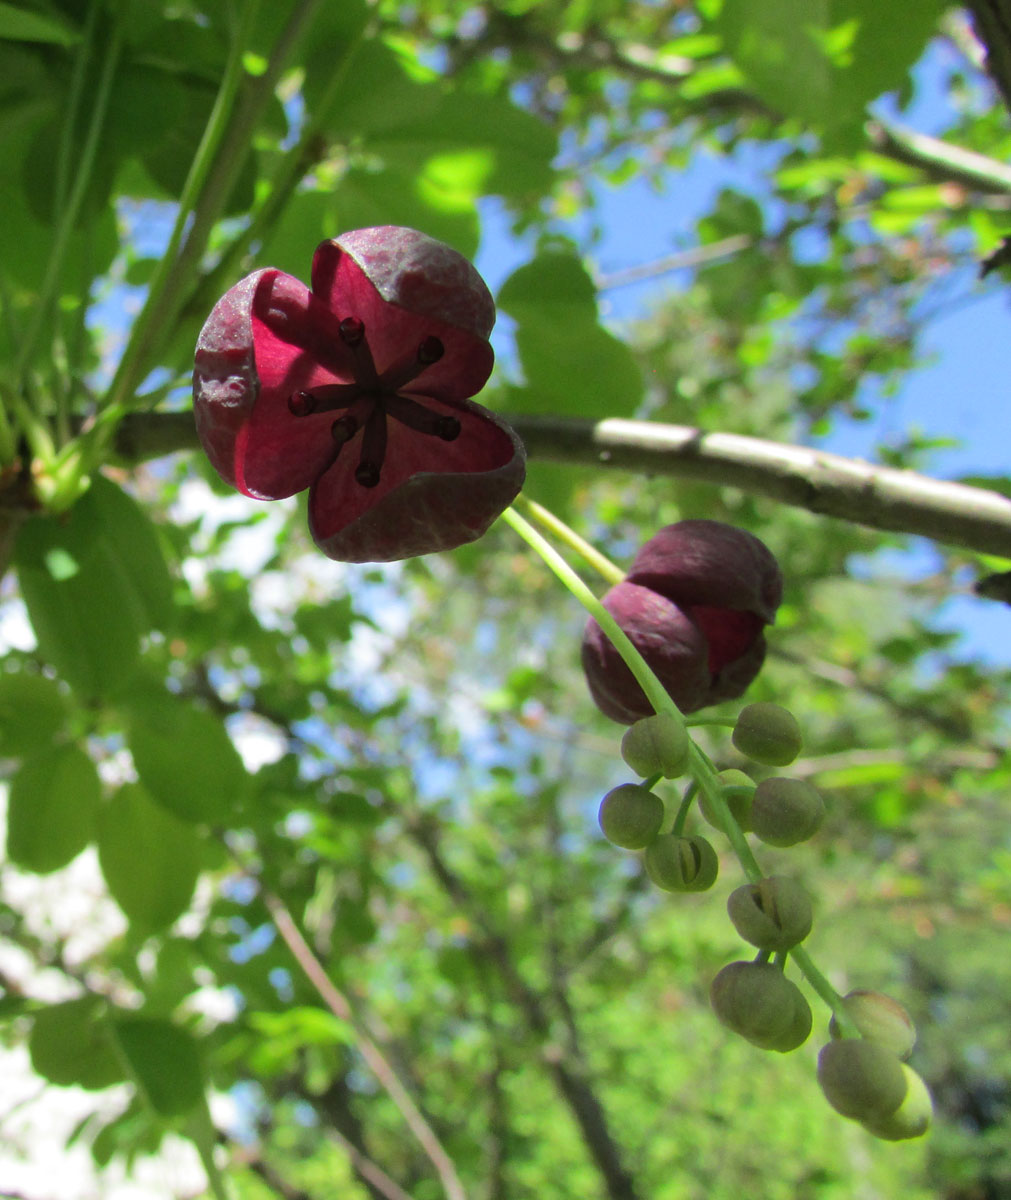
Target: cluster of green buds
[
  {"x": 632, "y": 814},
  {"x": 862, "y": 1070},
  {"x": 866, "y": 1078}
]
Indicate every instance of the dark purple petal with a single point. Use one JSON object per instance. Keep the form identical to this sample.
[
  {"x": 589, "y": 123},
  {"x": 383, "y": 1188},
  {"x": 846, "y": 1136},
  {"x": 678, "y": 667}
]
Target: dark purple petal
[
  {"x": 393, "y": 330},
  {"x": 699, "y": 562},
  {"x": 670, "y": 642},
  {"x": 416, "y": 272},
  {"x": 432, "y": 494},
  {"x": 251, "y": 358}
]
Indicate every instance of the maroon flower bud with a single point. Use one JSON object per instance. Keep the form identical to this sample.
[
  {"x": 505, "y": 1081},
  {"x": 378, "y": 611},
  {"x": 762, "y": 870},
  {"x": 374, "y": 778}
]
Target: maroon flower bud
[
  {"x": 695, "y": 605},
  {"x": 359, "y": 390}
]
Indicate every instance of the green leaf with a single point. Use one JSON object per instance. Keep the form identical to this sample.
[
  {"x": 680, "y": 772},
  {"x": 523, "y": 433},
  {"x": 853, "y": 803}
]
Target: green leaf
[
  {"x": 32, "y": 712},
  {"x": 824, "y": 60},
  {"x": 19, "y": 24},
  {"x": 184, "y": 757},
  {"x": 150, "y": 858},
  {"x": 164, "y": 1061},
  {"x": 570, "y": 363},
  {"x": 71, "y": 1045},
  {"x": 51, "y": 809},
  {"x": 94, "y": 580}
]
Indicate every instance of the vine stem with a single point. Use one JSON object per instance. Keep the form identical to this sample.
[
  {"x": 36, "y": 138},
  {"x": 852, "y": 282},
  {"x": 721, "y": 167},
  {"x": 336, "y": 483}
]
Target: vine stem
[
  {"x": 608, "y": 570},
  {"x": 69, "y": 211},
  {"x": 340, "y": 1006},
  {"x": 701, "y": 769}
]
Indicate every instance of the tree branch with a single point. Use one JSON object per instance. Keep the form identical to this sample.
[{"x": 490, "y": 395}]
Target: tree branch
[
  {"x": 939, "y": 159},
  {"x": 828, "y": 484},
  {"x": 992, "y": 19}
]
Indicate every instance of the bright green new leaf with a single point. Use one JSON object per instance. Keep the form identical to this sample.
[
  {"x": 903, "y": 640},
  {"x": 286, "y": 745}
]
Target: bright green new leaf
[
  {"x": 164, "y": 1061},
  {"x": 94, "y": 580},
  {"x": 150, "y": 858},
  {"x": 184, "y": 757},
  {"x": 824, "y": 60},
  {"x": 32, "y": 712},
  {"x": 51, "y": 809},
  {"x": 18, "y": 24},
  {"x": 71, "y": 1045},
  {"x": 571, "y": 364}
]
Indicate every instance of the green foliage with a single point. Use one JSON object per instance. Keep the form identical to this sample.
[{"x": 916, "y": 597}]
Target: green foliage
[
  {"x": 51, "y": 809},
  {"x": 132, "y": 829},
  {"x": 94, "y": 581},
  {"x": 71, "y": 1045},
  {"x": 164, "y": 1061},
  {"x": 184, "y": 757},
  {"x": 570, "y": 364}
]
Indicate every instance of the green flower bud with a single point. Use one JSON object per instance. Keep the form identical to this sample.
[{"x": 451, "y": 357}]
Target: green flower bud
[
  {"x": 786, "y": 811},
  {"x": 738, "y": 791},
  {"x": 757, "y": 1001},
  {"x": 656, "y": 745},
  {"x": 773, "y": 914},
  {"x": 880, "y": 1019},
  {"x": 681, "y": 864},
  {"x": 861, "y": 1079},
  {"x": 913, "y": 1116},
  {"x": 630, "y": 816},
  {"x": 768, "y": 733}
]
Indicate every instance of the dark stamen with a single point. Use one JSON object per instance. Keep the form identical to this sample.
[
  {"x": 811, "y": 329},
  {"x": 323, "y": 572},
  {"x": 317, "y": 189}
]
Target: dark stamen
[
  {"x": 367, "y": 474},
  {"x": 373, "y": 452},
  {"x": 352, "y": 331},
  {"x": 343, "y": 429},
  {"x": 447, "y": 428},
  {"x": 430, "y": 351},
  {"x": 301, "y": 404}
]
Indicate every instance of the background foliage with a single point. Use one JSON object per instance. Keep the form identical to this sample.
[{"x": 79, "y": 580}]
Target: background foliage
[{"x": 228, "y": 759}]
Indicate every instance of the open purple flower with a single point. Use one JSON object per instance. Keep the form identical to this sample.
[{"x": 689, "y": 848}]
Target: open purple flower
[
  {"x": 695, "y": 605},
  {"x": 359, "y": 390}
]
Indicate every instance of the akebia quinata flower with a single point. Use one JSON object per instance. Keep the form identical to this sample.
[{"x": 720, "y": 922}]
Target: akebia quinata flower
[
  {"x": 695, "y": 605},
  {"x": 359, "y": 390}
]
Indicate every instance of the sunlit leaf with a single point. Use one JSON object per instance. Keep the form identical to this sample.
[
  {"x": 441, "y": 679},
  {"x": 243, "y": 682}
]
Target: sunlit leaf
[
  {"x": 51, "y": 809},
  {"x": 150, "y": 859}
]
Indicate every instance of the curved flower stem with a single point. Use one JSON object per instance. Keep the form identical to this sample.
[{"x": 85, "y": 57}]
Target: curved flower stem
[
  {"x": 340, "y": 1006},
  {"x": 701, "y": 769},
  {"x": 678, "y": 826},
  {"x": 601, "y": 564}
]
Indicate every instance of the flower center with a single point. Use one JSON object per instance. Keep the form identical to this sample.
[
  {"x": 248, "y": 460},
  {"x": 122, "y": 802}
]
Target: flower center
[{"x": 367, "y": 403}]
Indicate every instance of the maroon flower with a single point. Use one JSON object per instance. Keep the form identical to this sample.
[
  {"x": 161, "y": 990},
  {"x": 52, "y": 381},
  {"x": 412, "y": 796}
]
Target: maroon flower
[
  {"x": 359, "y": 391},
  {"x": 695, "y": 605}
]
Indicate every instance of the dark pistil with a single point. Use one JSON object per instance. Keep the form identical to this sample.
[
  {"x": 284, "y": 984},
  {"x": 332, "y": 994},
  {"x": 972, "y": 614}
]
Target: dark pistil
[{"x": 372, "y": 398}]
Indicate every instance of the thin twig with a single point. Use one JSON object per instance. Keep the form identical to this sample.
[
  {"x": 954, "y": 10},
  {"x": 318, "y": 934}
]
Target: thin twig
[{"x": 339, "y": 1005}]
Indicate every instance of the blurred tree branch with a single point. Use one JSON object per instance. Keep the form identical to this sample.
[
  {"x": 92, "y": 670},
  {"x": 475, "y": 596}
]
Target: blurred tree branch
[
  {"x": 828, "y": 484},
  {"x": 992, "y": 20}
]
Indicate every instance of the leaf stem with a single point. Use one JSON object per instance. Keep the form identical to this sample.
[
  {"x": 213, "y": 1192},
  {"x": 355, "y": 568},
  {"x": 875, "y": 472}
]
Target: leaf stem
[
  {"x": 167, "y": 281},
  {"x": 601, "y": 564},
  {"x": 67, "y": 216}
]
